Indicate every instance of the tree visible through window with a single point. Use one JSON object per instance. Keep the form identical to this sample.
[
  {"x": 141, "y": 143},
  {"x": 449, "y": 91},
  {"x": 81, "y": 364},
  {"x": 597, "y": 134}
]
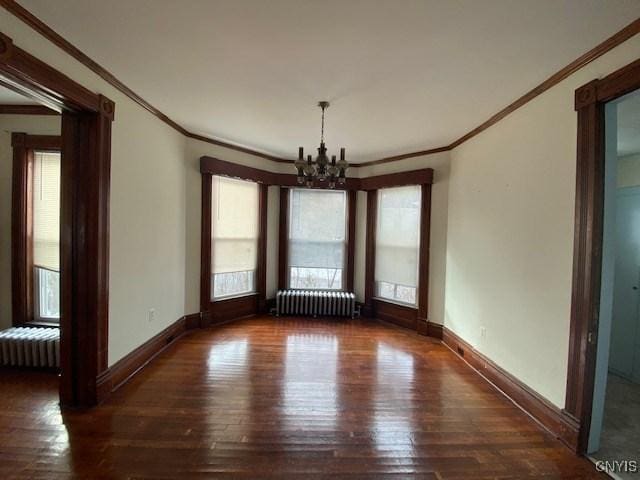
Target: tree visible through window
[{"x": 317, "y": 239}]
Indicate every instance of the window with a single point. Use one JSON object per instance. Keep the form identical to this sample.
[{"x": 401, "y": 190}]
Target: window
[
  {"x": 317, "y": 239},
  {"x": 46, "y": 235},
  {"x": 234, "y": 237},
  {"x": 397, "y": 244}
]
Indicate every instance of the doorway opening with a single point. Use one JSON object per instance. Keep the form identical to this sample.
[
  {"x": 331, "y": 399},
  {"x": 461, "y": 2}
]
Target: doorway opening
[
  {"x": 614, "y": 435},
  {"x": 61, "y": 270}
]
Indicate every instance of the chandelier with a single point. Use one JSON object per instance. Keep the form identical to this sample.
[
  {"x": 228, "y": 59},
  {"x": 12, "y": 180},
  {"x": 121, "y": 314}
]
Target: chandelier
[{"x": 321, "y": 169}]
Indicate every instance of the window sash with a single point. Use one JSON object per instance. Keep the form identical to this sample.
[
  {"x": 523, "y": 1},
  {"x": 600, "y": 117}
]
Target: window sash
[
  {"x": 317, "y": 257},
  {"x": 234, "y": 237},
  {"x": 397, "y": 259}
]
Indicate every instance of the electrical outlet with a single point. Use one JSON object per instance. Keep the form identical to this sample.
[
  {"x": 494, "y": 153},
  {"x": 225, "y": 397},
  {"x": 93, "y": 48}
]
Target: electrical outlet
[
  {"x": 152, "y": 315},
  {"x": 483, "y": 332}
]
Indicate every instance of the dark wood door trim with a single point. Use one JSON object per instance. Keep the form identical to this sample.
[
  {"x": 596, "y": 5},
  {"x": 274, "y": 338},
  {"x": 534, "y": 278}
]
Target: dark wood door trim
[
  {"x": 588, "y": 237},
  {"x": 26, "y": 110},
  {"x": 84, "y": 219}
]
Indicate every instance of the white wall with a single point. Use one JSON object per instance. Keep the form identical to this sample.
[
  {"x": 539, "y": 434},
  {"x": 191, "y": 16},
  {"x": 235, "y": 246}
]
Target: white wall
[
  {"x": 148, "y": 204},
  {"x": 34, "y": 125},
  {"x": 510, "y": 233}
]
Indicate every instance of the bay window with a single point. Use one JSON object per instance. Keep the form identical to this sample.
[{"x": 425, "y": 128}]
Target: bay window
[
  {"x": 398, "y": 244},
  {"x": 234, "y": 237},
  {"x": 317, "y": 239}
]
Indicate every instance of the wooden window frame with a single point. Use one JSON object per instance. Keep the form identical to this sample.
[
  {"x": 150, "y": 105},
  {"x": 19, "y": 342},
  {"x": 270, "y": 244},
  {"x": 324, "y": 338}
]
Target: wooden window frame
[
  {"x": 350, "y": 230},
  {"x": 412, "y": 317},
  {"x": 84, "y": 220},
  {"x": 22, "y": 279},
  {"x": 590, "y": 100},
  {"x": 218, "y": 311}
]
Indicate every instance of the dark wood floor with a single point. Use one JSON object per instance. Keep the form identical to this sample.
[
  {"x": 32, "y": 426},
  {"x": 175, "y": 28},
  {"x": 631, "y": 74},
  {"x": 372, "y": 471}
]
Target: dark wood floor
[{"x": 267, "y": 398}]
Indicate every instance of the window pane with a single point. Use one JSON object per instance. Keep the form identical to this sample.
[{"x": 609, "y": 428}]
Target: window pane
[
  {"x": 46, "y": 234},
  {"x": 312, "y": 278},
  {"x": 47, "y": 286},
  {"x": 397, "y": 243},
  {"x": 46, "y": 210},
  {"x": 234, "y": 236},
  {"x": 317, "y": 238}
]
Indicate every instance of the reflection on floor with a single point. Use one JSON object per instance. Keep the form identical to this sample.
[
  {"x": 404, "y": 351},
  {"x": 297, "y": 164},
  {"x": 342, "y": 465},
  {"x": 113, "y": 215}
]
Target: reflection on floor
[
  {"x": 286, "y": 398},
  {"x": 620, "y": 438}
]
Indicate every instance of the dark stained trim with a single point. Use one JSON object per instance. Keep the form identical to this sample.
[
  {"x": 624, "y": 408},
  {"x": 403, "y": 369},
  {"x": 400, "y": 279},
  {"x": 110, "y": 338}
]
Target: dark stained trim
[
  {"x": 283, "y": 239},
  {"x": 422, "y": 176},
  {"x": 214, "y": 312},
  {"x": 205, "y": 244},
  {"x": 403, "y": 156},
  {"x": 261, "y": 272},
  {"x": 38, "y": 25},
  {"x": 370, "y": 254},
  {"x": 22, "y": 287},
  {"x": 590, "y": 100},
  {"x": 430, "y": 329},
  {"x": 539, "y": 408},
  {"x": 22, "y": 230},
  {"x": 352, "y": 201},
  {"x": 84, "y": 218},
  {"x": 215, "y": 166},
  {"x": 131, "y": 364},
  {"x": 404, "y": 316},
  {"x": 26, "y": 110},
  {"x": 425, "y": 239}
]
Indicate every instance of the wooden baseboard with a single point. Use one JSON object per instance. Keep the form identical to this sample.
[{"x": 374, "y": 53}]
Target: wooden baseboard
[
  {"x": 124, "y": 369},
  {"x": 556, "y": 421},
  {"x": 430, "y": 329}
]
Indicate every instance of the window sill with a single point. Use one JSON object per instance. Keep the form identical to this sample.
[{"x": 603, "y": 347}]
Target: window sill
[
  {"x": 40, "y": 324},
  {"x": 233, "y": 297},
  {"x": 409, "y": 306}
]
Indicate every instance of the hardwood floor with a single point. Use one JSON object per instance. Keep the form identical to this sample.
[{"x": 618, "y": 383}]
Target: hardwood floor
[{"x": 272, "y": 398}]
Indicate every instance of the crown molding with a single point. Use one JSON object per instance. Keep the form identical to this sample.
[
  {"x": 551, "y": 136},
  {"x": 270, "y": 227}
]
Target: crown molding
[{"x": 38, "y": 25}]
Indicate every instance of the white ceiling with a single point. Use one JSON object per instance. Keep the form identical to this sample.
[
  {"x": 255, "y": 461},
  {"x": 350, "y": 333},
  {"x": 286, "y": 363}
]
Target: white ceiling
[
  {"x": 9, "y": 97},
  {"x": 401, "y": 75}
]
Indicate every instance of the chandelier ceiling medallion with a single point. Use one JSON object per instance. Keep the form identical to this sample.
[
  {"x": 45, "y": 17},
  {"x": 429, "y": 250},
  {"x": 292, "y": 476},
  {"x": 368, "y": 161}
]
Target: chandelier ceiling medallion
[{"x": 321, "y": 169}]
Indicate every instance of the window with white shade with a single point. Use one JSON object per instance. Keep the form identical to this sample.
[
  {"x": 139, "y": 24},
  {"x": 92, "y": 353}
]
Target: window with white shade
[
  {"x": 398, "y": 244},
  {"x": 234, "y": 237},
  {"x": 317, "y": 239},
  {"x": 46, "y": 235}
]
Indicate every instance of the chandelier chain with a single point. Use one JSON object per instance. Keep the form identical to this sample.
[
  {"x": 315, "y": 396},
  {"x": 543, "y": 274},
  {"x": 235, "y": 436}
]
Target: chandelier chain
[{"x": 322, "y": 128}]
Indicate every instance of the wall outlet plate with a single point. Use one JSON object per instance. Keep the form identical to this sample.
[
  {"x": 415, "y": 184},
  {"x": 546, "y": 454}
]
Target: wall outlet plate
[{"x": 152, "y": 315}]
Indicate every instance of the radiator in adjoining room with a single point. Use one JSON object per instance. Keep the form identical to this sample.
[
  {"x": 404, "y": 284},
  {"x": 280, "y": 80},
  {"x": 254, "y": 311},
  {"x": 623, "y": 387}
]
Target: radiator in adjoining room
[
  {"x": 30, "y": 347},
  {"x": 315, "y": 303}
]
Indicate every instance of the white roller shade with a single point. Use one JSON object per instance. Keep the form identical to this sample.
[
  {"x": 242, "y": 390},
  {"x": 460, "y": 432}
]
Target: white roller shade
[
  {"x": 398, "y": 235},
  {"x": 234, "y": 225},
  {"x": 46, "y": 210},
  {"x": 317, "y": 228}
]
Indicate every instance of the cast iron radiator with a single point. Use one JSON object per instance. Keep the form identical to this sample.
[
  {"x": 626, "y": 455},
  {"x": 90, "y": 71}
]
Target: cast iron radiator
[
  {"x": 315, "y": 303},
  {"x": 30, "y": 347}
]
